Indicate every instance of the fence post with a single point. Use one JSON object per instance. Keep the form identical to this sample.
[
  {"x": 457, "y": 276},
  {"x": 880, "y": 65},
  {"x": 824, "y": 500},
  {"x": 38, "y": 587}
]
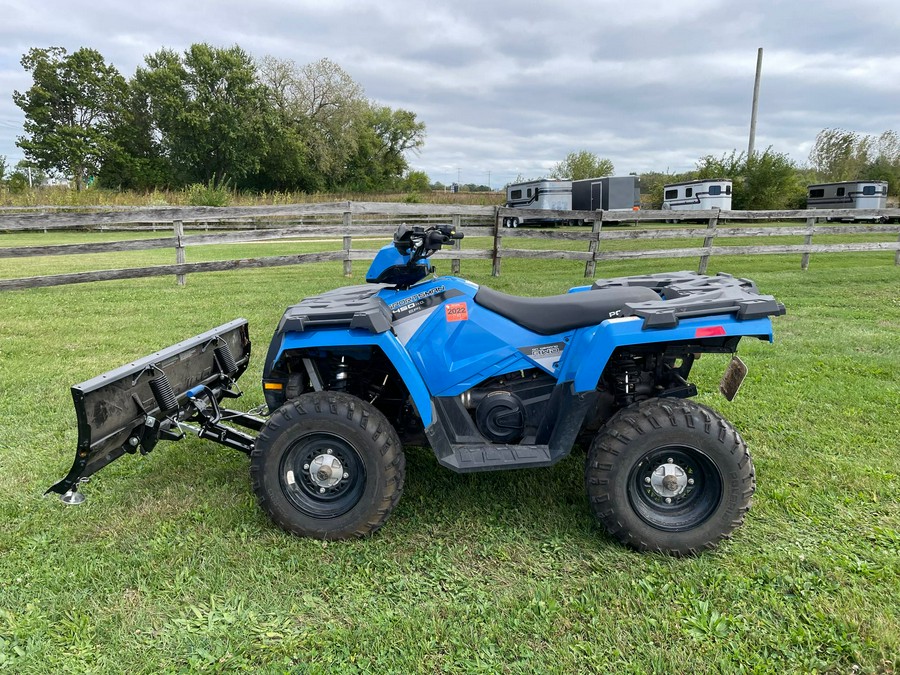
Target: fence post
[
  {"x": 708, "y": 242},
  {"x": 498, "y": 236},
  {"x": 590, "y": 267},
  {"x": 457, "y": 244},
  {"x": 348, "y": 264},
  {"x": 804, "y": 260},
  {"x": 178, "y": 228},
  {"x": 897, "y": 252}
]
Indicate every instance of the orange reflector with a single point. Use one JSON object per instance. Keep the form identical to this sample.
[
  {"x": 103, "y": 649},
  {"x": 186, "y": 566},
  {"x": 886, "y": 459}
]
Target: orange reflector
[
  {"x": 710, "y": 331},
  {"x": 273, "y": 385},
  {"x": 635, "y": 208}
]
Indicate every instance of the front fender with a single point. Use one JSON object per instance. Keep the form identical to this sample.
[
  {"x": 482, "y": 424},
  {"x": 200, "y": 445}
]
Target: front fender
[
  {"x": 387, "y": 342},
  {"x": 593, "y": 347}
]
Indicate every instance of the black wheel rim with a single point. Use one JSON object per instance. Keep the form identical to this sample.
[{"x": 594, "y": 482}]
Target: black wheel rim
[
  {"x": 690, "y": 503},
  {"x": 312, "y": 495}
]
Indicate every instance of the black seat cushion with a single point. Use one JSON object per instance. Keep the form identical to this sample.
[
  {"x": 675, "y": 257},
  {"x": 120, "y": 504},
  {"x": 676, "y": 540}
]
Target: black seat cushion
[{"x": 558, "y": 313}]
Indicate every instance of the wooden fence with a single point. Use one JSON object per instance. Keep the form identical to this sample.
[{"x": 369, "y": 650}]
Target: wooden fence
[{"x": 345, "y": 221}]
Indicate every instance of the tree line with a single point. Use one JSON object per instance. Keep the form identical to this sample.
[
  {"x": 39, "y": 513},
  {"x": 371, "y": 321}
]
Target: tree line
[
  {"x": 767, "y": 180},
  {"x": 210, "y": 115}
]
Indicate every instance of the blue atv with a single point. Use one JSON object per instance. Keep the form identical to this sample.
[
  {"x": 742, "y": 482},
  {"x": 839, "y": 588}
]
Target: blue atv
[{"x": 489, "y": 380}]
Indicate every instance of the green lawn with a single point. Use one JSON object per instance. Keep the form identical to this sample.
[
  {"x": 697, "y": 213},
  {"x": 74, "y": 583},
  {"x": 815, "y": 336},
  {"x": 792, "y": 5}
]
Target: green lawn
[{"x": 170, "y": 566}]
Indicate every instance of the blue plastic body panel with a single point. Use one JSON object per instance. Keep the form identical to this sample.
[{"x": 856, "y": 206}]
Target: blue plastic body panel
[
  {"x": 387, "y": 342},
  {"x": 442, "y": 353},
  {"x": 443, "y": 343},
  {"x": 592, "y": 346}
]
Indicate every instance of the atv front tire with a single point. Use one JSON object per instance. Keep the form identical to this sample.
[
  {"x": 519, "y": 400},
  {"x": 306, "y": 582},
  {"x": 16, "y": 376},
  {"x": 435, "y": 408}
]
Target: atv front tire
[
  {"x": 328, "y": 465},
  {"x": 669, "y": 475}
]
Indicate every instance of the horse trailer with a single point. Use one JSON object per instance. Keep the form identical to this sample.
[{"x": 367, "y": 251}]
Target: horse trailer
[
  {"x": 550, "y": 195},
  {"x": 848, "y": 194},
  {"x": 698, "y": 195}
]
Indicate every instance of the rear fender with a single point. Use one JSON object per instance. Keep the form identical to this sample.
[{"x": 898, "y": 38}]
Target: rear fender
[
  {"x": 592, "y": 347},
  {"x": 387, "y": 342}
]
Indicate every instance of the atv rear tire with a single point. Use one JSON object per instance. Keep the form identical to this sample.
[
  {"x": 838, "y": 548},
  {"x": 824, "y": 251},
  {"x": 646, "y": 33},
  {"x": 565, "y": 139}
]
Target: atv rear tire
[
  {"x": 669, "y": 475},
  {"x": 328, "y": 465}
]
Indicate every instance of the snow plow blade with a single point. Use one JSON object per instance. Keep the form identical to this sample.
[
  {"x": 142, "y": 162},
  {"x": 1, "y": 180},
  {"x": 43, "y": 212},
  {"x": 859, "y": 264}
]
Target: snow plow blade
[{"x": 129, "y": 409}]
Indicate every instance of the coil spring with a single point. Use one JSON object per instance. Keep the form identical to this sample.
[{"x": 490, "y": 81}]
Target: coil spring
[
  {"x": 225, "y": 359},
  {"x": 162, "y": 392}
]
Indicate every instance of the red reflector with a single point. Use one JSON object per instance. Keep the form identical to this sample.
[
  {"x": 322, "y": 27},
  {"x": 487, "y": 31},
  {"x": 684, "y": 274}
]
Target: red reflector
[{"x": 710, "y": 331}]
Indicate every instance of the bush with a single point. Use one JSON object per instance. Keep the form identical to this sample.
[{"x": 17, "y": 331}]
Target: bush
[{"x": 210, "y": 194}]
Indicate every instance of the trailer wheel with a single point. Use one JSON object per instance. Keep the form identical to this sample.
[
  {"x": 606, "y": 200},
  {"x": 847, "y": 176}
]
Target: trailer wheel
[
  {"x": 669, "y": 475},
  {"x": 328, "y": 465}
]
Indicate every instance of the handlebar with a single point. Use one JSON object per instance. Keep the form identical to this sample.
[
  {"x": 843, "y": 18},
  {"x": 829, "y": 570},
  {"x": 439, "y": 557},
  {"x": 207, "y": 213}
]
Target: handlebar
[{"x": 421, "y": 241}]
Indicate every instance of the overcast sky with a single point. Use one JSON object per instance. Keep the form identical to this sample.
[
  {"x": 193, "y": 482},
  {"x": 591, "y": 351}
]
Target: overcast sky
[{"x": 511, "y": 87}]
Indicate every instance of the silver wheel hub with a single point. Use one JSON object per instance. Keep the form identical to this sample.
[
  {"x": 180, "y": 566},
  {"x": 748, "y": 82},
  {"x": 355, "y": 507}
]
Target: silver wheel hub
[
  {"x": 326, "y": 471},
  {"x": 668, "y": 480}
]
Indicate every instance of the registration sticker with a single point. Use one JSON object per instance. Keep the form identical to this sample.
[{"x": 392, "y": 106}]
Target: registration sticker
[{"x": 457, "y": 311}]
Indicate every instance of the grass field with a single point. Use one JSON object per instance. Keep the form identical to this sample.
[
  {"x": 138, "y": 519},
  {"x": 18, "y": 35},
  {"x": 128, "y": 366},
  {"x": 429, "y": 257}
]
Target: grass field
[{"x": 169, "y": 565}]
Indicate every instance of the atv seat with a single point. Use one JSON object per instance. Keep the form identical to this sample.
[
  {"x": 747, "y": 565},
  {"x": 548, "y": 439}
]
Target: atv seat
[{"x": 558, "y": 313}]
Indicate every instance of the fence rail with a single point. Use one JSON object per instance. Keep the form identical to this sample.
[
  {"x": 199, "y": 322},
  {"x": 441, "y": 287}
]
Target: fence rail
[{"x": 346, "y": 221}]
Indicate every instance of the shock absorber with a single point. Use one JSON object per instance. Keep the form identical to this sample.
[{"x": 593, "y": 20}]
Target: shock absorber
[{"x": 341, "y": 374}]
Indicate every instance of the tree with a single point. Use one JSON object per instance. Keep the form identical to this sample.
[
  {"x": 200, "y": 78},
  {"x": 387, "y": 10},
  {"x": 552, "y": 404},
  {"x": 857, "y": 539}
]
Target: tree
[
  {"x": 208, "y": 110},
  {"x": 135, "y": 158},
  {"x": 839, "y": 155},
  {"x": 416, "y": 181},
  {"x": 68, "y": 110},
  {"x": 384, "y": 136},
  {"x": 884, "y": 163},
  {"x": 582, "y": 164},
  {"x": 3, "y": 167},
  {"x": 767, "y": 180},
  {"x": 337, "y": 138}
]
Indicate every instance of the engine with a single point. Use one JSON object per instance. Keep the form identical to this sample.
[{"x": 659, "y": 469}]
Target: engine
[{"x": 509, "y": 407}]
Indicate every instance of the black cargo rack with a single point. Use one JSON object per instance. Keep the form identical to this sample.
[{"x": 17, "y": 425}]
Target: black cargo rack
[
  {"x": 349, "y": 307},
  {"x": 688, "y": 294}
]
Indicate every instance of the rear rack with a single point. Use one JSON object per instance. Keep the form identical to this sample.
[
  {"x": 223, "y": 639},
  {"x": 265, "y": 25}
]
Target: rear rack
[{"x": 686, "y": 295}]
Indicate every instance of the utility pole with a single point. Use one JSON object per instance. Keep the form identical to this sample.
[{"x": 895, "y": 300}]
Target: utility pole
[
  {"x": 489, "y": 181},
  {"x": 755, "y": 104}
]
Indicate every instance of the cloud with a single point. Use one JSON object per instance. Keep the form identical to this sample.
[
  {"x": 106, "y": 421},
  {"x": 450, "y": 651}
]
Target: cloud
[{"x": 511, "y": 87}]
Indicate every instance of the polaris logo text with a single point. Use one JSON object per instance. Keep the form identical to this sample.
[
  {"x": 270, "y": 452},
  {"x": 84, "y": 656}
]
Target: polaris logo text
[{"x": 548, "y": 350}]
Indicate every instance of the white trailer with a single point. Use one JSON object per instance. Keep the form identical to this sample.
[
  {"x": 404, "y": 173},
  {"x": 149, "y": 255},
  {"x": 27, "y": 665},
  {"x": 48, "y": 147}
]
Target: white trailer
[
  {"x": 551, "y": 195},
  {"x": 848, "y": 194},
  {"x": 698, "y": 195}
]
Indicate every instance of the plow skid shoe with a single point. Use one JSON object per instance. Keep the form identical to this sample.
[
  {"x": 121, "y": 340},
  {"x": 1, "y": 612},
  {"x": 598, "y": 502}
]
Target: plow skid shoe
[{"x": 129, "y": 409}]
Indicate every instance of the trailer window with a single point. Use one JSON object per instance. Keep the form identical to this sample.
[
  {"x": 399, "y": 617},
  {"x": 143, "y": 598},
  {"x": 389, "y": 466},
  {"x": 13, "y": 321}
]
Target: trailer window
[
  {"x": 869, "y": 190},
  {"x": 840, "y": 192},
  {"x": 515, "y": 194},
  {"x": 815, "y": 194},
  {"x": 528, "y": 194},
  {"x": 727, "y": 189},
  {"x": 688, "y": 192},
  {"x": 671, "y": 194},
  {"x": 715, "y": 190}
]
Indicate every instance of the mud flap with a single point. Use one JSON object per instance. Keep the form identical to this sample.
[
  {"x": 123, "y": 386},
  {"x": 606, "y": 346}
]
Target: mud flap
[
  {"x": 733, "y": 378},
  {"x": 127, "y": 410}
]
